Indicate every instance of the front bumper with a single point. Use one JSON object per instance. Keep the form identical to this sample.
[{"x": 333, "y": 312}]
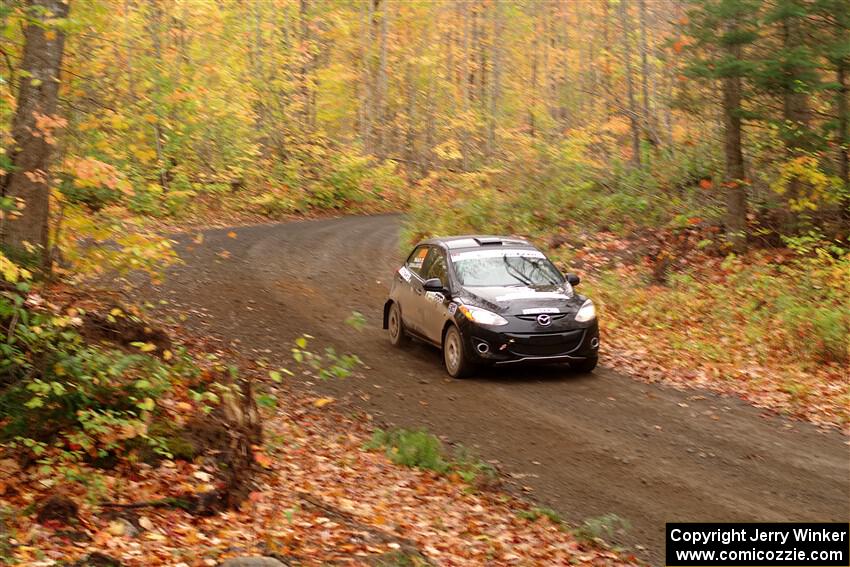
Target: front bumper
[{"x": 488, "y": 345}]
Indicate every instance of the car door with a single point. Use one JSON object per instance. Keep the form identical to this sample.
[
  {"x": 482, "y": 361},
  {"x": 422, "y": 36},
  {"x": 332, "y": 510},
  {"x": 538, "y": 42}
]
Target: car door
[
  {"x": 409, "y": 282},
  {"x": 433, "y": 305}
]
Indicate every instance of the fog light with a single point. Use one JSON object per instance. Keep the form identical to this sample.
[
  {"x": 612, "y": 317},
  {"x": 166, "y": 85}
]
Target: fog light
[{"x": 594, "y": 343}]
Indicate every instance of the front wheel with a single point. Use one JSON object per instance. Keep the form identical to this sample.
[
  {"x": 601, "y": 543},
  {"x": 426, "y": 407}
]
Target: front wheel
[
  {"x": 585, "y": 366},
  {"x": 398, "y": 336},
  {"x": 457, "y": 362}
]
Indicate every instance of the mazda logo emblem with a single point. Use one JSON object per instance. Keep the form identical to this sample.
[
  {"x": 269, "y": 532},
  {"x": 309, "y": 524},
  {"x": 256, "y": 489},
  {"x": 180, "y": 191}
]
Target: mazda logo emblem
[{"x": 544, "y": 320}]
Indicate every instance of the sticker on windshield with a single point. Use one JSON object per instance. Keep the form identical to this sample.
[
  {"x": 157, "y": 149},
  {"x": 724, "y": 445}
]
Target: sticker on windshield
[
  {"x": 476, "y": 254},
  {"x": 538, "y": 310},
  {"x": 404, "y": 273}
]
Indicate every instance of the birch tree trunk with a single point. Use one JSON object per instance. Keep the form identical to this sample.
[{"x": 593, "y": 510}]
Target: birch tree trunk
[
  {"x": 495, "y": 83},
  {"x": 464, "y": 87},
  {"x": 630, "y": 87},
  {"x": 381, "y": 83},
  {"x": 645, "y": 76}
]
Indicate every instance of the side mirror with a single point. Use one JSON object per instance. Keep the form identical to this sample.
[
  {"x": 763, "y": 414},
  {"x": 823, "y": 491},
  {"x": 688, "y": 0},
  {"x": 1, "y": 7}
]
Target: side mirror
[
  {"x": 572, "y": 279},
  {"x": 433, "y": 284}
]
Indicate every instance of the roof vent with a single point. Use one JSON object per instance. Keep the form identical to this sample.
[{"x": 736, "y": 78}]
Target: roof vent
[{"x": 488, "y": 240}]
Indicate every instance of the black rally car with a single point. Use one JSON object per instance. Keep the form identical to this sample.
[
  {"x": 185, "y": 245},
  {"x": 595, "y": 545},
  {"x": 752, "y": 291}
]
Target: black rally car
[{"x": 491, "y": 300}]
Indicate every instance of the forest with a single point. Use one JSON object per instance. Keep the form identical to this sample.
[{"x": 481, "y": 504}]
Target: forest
[{"x": 690, "y": 158}]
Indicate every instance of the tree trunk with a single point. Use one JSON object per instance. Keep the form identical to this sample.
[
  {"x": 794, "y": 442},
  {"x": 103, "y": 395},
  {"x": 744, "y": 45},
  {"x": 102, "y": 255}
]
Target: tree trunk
[
  {"x": 154, "y": 23},
  {"x": 734, "y": 178},
  {"x": 646, "y": 80},
  {"x": 370, "y": 30},
  {"x": 795, "y": 110},
  {"x": 630, "y": 87},
  {"x": 412, "y": 116},
  {"x": 381, "y": 82},
  {"x": 34, "y": 120},
  {"x": 495, "y": 83},
  {"x": 535, "y": 43},
  {"x": 306, "y": 65},
  {"x": 843, "y": 135},
  {"x": 464, "y": 87}
]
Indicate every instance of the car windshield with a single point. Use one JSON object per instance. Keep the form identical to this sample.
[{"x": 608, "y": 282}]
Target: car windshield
[{"x": 491, "y": 268}]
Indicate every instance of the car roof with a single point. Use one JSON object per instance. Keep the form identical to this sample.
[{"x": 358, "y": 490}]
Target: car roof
[{"x": 473, "y": 241}]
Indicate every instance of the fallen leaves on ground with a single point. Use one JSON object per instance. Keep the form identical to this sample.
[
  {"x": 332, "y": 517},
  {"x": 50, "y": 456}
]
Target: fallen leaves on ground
[
  {"x": 702, "y": 341},
  {"x": 321, "y": 498}
]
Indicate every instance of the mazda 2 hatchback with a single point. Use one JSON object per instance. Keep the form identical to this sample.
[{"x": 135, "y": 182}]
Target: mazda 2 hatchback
[{"x": 491, "y": 300}]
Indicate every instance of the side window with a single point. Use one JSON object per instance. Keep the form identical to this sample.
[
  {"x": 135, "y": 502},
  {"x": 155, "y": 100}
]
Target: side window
[
  {"x": 416, "y": 260},
  {"x": 435, "y": 266}
]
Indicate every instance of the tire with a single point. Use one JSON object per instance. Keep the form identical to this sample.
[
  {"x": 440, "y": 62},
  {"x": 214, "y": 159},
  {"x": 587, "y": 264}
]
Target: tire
[
  {"x": 395, "y": 326},
  {"x": 455, "y": 359},
  {"x": 585, "y": 366}
]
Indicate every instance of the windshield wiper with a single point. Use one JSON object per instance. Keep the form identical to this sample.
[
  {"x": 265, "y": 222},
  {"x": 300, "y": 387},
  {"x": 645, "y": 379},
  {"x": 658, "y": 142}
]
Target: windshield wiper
[
  {"x": 517, "y": 275},
  {"x": 541, "y": 271}
]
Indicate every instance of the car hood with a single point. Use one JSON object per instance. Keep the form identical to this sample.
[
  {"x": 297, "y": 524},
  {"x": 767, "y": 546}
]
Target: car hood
[{"x": 513, "y": 300}]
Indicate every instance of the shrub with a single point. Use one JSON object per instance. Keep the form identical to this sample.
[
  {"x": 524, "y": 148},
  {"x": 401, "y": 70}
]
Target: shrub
[
  {"x": 145, "y": 200},
  {"x": 275, "y": 204},
  {"x": 65, "y": 396},
  {"x": 92, "y": 183},
  {"x": 93, "y": 197},
  {"x": 180, "y": 193}
]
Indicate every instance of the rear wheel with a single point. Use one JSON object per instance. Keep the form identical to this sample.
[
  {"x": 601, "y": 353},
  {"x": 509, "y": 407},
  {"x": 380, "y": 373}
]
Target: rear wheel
[
  {"x": 457, "y": 362},
  {"x": 585, "y": 366},
  {"x": 398, "y": 336}
]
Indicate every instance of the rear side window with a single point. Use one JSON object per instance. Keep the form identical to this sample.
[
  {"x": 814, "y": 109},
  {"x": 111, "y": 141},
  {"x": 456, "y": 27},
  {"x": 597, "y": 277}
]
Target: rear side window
[{"x": 417, "y": 260}]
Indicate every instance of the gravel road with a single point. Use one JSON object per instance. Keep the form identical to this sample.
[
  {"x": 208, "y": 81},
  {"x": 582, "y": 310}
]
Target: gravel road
[{"x": 583, "y": 445}]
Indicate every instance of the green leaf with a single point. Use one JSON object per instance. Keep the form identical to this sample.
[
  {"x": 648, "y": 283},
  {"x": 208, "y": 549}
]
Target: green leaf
[
  {"x": 146, "y": 405},
  {"x": 267, "y": 400},
  {"x": 356, "y": 320}
]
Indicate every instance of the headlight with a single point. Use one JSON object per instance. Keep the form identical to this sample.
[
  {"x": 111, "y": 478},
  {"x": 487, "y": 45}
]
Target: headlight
[
  {"x": 587, "y": 312},
  {"x": 481, "y": 316}
]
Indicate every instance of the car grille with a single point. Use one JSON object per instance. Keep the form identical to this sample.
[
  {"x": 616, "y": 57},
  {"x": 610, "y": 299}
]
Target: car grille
[
  {"x": 552, "y": 316},
  {"x": 545, "y": 344}
]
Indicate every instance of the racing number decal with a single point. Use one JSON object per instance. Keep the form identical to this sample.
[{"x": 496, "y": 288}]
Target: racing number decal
[
  {"x": 419, "y": 259},
  {"x": 404, "y": 273},
  {"x": 435, "y": 296}
]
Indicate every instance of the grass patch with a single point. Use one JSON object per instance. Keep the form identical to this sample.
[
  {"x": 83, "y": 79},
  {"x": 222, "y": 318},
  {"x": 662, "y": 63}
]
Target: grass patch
[
  {"x": 537, "y": 513},
  {"x": 400, "y": 559},
  {"x": 601, "y": 528},
  {"x": 422, "y": 450},
  {"x": 415, "y": 449}
]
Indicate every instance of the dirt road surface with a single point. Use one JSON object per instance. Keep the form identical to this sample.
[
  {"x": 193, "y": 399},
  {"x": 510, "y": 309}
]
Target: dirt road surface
[{"x": 583, "y": 445}]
